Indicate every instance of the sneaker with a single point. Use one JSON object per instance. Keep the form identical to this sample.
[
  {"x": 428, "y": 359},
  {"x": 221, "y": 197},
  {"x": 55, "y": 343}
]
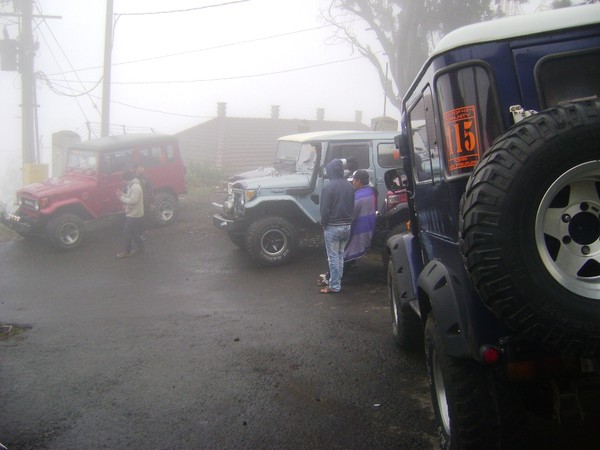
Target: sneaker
[{"x": 123, "y": 255}]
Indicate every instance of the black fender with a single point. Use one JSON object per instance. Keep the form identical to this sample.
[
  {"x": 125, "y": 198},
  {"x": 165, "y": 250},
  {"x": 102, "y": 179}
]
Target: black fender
[
  {"x": 401, "y": 210},
  {"x": 465, "y": 322},
  {"x": 440, "y": 291},
  {"x": 403, "y": 248}
]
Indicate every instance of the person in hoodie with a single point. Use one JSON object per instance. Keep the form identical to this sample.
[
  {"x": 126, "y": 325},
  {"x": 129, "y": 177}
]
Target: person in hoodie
[
  {"x": 337, "y": 207},
  {"x": 133, "y": 199}
]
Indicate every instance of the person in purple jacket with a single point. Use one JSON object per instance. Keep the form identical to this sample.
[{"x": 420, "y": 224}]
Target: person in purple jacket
[{"x": 363, "y": 217}]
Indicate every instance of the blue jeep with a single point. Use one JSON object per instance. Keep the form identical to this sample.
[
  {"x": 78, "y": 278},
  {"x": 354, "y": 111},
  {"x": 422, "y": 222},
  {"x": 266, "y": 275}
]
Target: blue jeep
[{"x": 499, "y": 274}]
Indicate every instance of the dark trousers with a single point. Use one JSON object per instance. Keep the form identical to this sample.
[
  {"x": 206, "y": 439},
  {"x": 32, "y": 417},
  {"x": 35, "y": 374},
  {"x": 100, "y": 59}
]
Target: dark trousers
[{"x": 133, "y": 233}]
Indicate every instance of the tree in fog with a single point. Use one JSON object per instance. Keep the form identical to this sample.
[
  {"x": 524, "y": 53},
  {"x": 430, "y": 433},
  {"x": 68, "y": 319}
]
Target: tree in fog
[{"x": 406, "y": 31}]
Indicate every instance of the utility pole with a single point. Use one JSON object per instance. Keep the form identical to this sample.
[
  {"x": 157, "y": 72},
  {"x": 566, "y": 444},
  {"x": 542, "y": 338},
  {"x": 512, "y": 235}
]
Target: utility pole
[
  {"x": 26, "y": 56},
  {"x": 108, "y": 41},
  {"x": 19, "y": 55}
]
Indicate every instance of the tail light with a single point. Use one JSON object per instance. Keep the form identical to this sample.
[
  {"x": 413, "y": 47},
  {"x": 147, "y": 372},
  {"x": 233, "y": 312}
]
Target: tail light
[{"x": 395, "y": 198}]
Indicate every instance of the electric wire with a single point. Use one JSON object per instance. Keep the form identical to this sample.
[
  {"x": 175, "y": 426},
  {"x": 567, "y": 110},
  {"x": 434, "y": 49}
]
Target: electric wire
[
  {"x": 216, "y": 47},
  {"x": 181, "y": 10},
  {"x": 236, "y": 77},
  {"x": 43, "y": 77}
]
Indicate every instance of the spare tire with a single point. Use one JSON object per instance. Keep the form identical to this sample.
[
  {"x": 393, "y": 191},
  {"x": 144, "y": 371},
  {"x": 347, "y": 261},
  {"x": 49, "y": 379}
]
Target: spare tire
[{"x": 530, "y": 228}]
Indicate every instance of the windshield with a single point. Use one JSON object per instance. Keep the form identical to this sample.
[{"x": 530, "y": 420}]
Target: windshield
[
  {"x": 295, "y": 157},
  {"x": 81, "y": 160}
]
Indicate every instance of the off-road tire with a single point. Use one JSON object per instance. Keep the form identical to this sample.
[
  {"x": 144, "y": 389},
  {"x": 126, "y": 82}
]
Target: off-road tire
[
  {"x": 238, "y": 239},
  {"x": 530, "y": 225},
  {"x": 474, "y": 408},
  {"x": 271, "y": 241},
  {"x": 406, "y": 325},
  {"x": 65, "y": 231},
  {"x": 166, "y": 208}
]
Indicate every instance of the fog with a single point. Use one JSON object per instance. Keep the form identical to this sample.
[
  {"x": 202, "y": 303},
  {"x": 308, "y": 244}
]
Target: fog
[
  {"x": 172, "y": 62},
  {"x": 171, "y": 69}
]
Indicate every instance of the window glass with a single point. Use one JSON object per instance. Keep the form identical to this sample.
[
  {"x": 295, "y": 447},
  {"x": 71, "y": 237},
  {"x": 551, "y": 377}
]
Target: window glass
[
  {"x": 118, "y": 161},
  {"x": 569, "y": 77},
  {"x": 81, "y": 159},
  {"x": 149, "y": 157},
  {"x": 470, "y": 118},
  {"x": 388, "y": 155},
  {"x": 424, "y": 141},
  {"x": 356, "y": 152},
  {"x": 170, "y": 152}
]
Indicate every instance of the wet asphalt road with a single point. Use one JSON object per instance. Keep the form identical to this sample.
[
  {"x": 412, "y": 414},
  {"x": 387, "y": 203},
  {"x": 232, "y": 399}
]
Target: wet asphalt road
[{"x": 191, "y": 346}]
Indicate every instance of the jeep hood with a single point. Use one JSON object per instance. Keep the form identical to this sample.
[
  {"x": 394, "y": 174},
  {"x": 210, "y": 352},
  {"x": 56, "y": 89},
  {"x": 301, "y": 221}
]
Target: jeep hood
[
  {"x": 55, "y": 186},
  {"x": 256, "y": 173},
  {"x": 286, "y": 181}
]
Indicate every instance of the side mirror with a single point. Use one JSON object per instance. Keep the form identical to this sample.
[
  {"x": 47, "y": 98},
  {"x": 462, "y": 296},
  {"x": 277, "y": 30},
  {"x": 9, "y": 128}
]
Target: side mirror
[{"x": 395, "y": 179}]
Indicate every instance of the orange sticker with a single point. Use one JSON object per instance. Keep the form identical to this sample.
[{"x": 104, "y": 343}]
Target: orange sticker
[{"x": 462, "y": 138}]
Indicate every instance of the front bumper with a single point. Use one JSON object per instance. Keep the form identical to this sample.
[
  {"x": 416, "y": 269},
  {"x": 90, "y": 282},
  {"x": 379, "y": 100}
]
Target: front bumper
[
  {"x": 20, "y": 224},
  {"x": 229, "y": 225}
]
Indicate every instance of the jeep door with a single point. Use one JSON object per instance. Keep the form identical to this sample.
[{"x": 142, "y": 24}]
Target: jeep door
[{"x": 113, "y": 164}]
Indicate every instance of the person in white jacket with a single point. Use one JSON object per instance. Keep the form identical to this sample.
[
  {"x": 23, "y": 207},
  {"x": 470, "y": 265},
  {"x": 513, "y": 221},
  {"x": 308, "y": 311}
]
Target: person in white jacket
[{"x": 133, "y": 199}]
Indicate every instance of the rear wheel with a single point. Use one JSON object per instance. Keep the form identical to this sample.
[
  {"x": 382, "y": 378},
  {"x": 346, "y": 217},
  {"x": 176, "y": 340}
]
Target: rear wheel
[
  {"x": 474, "y": 408},
  {"x": 271, "y": 241},
  {"x": 166, "y": 208},
  {"x": 65, "y": 231}
]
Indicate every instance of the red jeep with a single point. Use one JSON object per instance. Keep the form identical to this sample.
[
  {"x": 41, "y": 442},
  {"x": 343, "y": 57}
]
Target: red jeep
[{"x": 59, "y": 208}]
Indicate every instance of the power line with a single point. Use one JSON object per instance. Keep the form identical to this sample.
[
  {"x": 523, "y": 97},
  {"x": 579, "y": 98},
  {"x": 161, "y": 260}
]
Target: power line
[
  {"x": 216, "y": 47},
  {"x": 238, "y": 77},
  {"x": 42, "y": 76},
  {"x": 180, "y": 10},
  {"x": 140, "y": 108}
]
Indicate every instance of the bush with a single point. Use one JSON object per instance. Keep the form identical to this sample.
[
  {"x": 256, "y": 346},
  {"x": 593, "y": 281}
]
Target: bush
[{"x": 203, "y": 175}]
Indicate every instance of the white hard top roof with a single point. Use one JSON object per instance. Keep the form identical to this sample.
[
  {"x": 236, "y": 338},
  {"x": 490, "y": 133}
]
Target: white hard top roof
[
  {"x": 523, "y": 25},
  {"x": 343, "y": 135}
]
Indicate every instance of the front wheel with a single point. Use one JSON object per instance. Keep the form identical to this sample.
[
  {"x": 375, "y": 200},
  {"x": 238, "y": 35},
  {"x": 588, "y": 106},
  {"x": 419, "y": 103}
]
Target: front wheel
[
  {"x": 272, "y": 240},
  {"x": 406, "y": 325},
  {"x": 474, "y": 407},
  {"x": 238, "y": 239},
  {"x": 166, "y": 208},
  {"x": 65, "y": 231}
]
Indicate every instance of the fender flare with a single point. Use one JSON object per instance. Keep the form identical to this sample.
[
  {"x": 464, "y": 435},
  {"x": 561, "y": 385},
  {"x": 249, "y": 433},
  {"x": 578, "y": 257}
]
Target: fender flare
[
  {"x": 402, "y": 249},
  {"x": 439, "y": 286},
  {"x": 69, "y": 205},
  {"x": 257, "y": 208}
]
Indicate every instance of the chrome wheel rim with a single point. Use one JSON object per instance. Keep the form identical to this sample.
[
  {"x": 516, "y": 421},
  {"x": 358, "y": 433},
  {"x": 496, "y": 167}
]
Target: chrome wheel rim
[{"x": 567, "y": 230}]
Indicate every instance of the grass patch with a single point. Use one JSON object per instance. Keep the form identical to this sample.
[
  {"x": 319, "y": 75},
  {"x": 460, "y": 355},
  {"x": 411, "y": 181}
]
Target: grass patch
[{"x": 7, "y": 331}]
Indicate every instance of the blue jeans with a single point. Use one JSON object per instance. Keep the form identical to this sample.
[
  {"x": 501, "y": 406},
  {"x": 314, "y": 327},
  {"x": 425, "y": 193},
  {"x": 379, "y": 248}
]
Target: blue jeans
[
  {"x": 336, "y": 237},
  {"x": 133, "y": 233}
]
